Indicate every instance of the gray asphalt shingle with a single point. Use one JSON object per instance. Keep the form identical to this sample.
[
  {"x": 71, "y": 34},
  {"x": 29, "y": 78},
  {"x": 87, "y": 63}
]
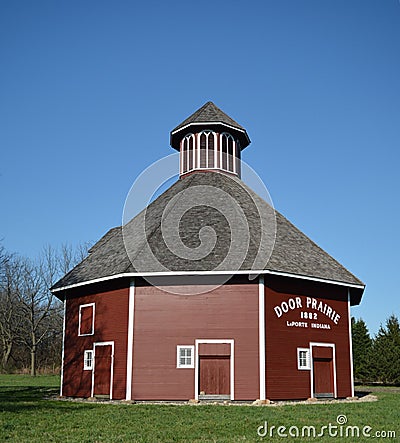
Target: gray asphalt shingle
[{"x": 173, "y": 234}]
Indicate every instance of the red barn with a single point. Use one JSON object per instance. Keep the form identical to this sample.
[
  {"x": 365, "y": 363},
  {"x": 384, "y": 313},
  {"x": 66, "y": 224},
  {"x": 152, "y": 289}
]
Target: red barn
[{"x": 208, "y": 293}]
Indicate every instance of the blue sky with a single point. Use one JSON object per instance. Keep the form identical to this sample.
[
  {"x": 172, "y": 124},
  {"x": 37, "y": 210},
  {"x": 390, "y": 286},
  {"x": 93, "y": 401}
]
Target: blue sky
[{"x": 89, "y": 91}]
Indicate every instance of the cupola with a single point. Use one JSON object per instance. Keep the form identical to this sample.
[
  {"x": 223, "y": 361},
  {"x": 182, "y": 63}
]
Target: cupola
[{"x": 209, "y": 140}]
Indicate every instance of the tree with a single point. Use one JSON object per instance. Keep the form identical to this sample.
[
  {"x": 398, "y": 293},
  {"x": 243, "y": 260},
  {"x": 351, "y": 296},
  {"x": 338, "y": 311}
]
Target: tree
[
  {"x": 36, "y": 301},
  {"x": 386, "y": 352},
  {"x": 11, "y": 313},
  {"x": 30, "y": 316},
  {"x": 43, "y": 312},
  {"x": 362, "y": 347}
]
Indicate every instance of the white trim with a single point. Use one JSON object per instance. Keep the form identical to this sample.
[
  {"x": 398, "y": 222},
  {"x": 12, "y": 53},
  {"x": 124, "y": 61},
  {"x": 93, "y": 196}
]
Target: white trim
[
  {"x": 189, "y": 137},
  {"x": 62, "y": 350},
  {"x": 215, "y": 150},
  {"x": 210, "y": 123},
  {"x": 327, "y": 345},
  {"x": 85, "y": 366},
  {"x": 199, "y": 273},
  {"x": 93, "y": 318},
  {"x": 261, "y": 335},
  {"x": 305, "y": 277},
  {"x": 199, "y": 134},
  {"x": 351, "y": 344},
  {"x": 216, "y": 147},
  {"x": 194, "y": 152},
  {"x": 234, "y": 149},
  {"x": 103, "y": 343},
  {"x": 197, "y": 166},
  {"x": 208, "y": 133},
  {"x": 308, "y": 359},
  {"x": 226, "y": 167},
  {"x": 187, "y": 153},
  {"x": 129, "y": 351},
  {"x": 232, "y": 364},
  {"x": 217, "y": 170},
  {"x": 178, "y": 356},
  {"x": 221, "y": 166}
]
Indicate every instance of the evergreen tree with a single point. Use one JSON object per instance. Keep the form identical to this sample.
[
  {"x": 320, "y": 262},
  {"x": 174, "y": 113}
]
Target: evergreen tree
[
  {"x": 362, "y": 348},
  {"x": 386, "y": 352}
]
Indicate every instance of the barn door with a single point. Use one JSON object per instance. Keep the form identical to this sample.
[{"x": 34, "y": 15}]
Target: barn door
[
  {"x": 103, "y": 361},
  {"x": 323, "y": 372},
  {"x": 214, "y": 375}
]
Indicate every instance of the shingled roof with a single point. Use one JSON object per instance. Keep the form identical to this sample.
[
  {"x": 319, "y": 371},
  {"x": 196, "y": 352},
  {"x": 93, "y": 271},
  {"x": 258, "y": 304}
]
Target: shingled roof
[
  {"x": 272, "y": 243},
  {"x": 210, "y": 114}
]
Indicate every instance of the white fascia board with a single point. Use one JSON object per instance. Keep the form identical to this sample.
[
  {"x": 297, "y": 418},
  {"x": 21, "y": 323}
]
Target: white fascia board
[
  {"x": 261, "y": 336},
  {"x": 208, "y": 123},
  {"x": 350, "y": 343},
  {"x": 201, "y": 273}
]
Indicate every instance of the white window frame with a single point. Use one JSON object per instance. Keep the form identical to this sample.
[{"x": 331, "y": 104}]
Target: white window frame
[
  {"x": 188, "y": 138},
  {"x": 301, "y": 367},
  {"x": 227, "y": 137},
  {"x": 93, "y": 317},
  {"x": 208, "y": 133},
  {"x": 187, "y": 153},
  {"x": 86, "y": 359},
  {"x": 179, "y": 348}
]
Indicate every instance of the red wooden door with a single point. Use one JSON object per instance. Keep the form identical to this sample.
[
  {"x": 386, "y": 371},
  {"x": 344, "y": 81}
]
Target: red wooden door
[
  {"x": 102, "y": 370},
  {"x": 323, "y": 377},
  {"x": 215, "y": 375}
]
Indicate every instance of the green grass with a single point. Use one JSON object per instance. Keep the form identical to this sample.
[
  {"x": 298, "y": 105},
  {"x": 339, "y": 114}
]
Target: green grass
[{"x": 27, "y": 416}]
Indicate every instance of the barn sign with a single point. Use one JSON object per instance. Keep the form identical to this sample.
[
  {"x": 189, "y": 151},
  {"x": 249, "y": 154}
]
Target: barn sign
[{"x": 312, "y": 312}]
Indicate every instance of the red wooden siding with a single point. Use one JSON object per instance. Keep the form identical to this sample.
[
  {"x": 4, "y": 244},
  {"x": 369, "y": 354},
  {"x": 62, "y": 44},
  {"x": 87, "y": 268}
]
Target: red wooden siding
[
  {"x": 164, "y": 320},
  {"x": 285, "y": 334},
  {"x": 111, "y": 324}
]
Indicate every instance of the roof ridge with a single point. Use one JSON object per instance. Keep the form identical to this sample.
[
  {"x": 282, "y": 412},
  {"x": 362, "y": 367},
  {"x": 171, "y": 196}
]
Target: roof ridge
[
  {"x": 223, "y": 117},
  {"x": 209, "y": 104}
]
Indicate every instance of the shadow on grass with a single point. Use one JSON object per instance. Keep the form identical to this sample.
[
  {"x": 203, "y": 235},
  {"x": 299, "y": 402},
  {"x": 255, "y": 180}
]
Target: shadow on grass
[
  {"x": 24, "y": 398},
  {"x": 362, "y": 393}
]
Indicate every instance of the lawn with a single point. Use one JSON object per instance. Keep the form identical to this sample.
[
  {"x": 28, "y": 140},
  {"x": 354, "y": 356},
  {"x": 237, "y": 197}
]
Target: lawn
[{"x": 28, "y": 415}]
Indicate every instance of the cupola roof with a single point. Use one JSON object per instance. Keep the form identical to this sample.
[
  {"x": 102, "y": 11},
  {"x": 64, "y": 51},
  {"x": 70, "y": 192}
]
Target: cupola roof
[{"x": 209, "y": 116}]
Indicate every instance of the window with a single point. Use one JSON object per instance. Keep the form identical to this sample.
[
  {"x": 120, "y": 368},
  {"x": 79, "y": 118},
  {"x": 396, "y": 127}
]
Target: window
[
  {"x": 228, "y": 153},
  {"x": 207, "y": 154},
  {"x": 303, "y": 358},
  {"x": 88, "y": 360},
  {"x": 188, "y": 154},
  {"x": 86, "y": 319},
  {"x": 185, "y": 356}
]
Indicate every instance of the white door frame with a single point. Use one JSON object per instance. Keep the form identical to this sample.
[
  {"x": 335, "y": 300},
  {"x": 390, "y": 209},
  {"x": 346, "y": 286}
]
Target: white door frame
[
  {"x": 103, "y": 343},
  {"x": 231, "y": 342},
  {"x": 326, "y": 345}
]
